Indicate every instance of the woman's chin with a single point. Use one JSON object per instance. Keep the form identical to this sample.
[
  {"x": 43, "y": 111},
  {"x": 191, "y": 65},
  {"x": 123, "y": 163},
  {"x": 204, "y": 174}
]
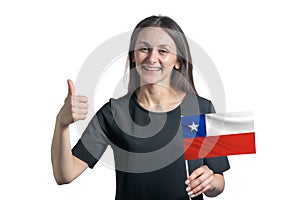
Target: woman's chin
[{"x": 149, "y": 83}]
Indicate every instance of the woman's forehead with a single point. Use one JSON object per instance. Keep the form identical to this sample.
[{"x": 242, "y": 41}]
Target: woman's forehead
[{"x": 155, "y": 36}]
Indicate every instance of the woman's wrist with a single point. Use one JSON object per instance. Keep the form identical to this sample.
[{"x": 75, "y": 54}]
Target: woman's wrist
[{"x": 59, "y": 123}]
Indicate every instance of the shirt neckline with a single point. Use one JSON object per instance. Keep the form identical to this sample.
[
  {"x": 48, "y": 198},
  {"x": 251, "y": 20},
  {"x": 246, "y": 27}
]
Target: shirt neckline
[{"x": 134, "y": 97}]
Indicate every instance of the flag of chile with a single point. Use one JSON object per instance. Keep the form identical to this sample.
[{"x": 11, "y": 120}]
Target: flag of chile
[{"x": 213, "y": 135}]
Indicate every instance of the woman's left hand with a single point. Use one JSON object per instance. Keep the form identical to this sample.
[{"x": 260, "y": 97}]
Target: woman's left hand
[{"x": 200, "y": 181}]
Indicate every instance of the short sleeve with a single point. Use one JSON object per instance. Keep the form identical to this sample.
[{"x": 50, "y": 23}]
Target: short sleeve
[
  {"x": 217, "y": 164},
  {"x": 93, "y": 142},
  {"x": 211, "y": 108}
]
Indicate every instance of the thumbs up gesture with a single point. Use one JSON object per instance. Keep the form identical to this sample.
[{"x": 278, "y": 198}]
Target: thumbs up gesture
[{"x": 75, "y": 107}]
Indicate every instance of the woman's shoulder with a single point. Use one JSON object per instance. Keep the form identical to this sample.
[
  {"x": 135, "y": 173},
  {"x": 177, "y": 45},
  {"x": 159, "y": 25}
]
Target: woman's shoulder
[
  {"x": 198, "y": 104},
  {"x": 205, "y": 102},
  {"x": 200, "y": 99}
]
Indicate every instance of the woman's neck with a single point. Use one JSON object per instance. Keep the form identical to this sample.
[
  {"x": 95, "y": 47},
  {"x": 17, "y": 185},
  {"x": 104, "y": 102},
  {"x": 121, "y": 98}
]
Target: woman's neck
[{"x": 159, "y": 98}]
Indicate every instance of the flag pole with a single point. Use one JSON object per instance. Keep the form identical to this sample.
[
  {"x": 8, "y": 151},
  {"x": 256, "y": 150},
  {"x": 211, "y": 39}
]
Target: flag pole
[{"x": 187, "y": 173}]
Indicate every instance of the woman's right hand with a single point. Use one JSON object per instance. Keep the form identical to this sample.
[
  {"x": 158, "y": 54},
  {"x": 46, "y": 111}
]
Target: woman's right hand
[{"x": 75, "y": 107}]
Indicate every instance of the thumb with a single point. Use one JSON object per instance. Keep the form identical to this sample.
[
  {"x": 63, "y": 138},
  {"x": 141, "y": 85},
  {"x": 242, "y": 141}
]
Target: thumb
[{"x": 71, "y": 88}]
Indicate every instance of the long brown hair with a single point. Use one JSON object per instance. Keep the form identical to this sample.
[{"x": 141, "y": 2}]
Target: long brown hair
[{"x": 183, "y": 80}]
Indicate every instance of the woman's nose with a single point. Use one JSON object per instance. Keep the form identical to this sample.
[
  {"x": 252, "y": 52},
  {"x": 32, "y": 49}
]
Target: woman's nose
[{"x": 153, "y": 56}]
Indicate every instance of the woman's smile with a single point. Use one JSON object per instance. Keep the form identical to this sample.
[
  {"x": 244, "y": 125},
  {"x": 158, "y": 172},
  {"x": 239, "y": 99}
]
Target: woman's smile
[{"x": 150, "y": 68}]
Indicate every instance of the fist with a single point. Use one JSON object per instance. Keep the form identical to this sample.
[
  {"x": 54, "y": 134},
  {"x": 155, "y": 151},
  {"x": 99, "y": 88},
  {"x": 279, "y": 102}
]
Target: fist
[{"x": 75, "y": 107}]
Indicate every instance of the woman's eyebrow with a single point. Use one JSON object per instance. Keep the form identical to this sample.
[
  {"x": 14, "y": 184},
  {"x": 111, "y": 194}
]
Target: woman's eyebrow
[
  {"x": 166, "y": 45},
  {"x": 143, "y": 42},
  {"x": 160, "y": 45}
]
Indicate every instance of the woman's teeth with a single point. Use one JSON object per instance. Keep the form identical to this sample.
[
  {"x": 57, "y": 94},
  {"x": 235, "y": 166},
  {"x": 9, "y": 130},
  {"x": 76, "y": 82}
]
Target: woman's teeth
[{"x": 151, "y": 68}]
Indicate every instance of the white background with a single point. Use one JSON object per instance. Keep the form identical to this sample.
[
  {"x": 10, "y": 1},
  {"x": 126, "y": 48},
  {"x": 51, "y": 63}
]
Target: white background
[{"x": 255, "y": 46}]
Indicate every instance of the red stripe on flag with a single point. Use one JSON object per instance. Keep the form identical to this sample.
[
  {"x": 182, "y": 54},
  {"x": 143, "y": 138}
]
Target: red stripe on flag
[{"x": 221, "y": 145}]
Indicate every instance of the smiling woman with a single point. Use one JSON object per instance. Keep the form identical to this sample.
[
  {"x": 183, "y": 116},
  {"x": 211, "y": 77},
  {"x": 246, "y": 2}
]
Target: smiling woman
[
  {"x": 155, "y": 56},
  {"x": 171, "y": 41},
  {"x": 143, "y": 127}
]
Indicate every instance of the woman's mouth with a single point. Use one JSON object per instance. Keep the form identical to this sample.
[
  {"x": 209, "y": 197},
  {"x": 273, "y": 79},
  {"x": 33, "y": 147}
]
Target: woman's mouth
[{"x": 150, "y": 68}]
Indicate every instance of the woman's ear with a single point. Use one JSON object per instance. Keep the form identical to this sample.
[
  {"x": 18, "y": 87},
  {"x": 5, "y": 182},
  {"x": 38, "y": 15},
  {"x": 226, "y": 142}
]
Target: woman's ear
[{"x": 177, "y": 66}]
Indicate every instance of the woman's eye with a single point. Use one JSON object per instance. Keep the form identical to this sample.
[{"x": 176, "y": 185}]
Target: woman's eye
[
  {"x": 163, "y": 51},
  {"x": 144, "y": 49}
]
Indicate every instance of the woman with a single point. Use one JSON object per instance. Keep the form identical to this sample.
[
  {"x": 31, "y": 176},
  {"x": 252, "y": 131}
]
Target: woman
[{"x": 143, "y": 127}]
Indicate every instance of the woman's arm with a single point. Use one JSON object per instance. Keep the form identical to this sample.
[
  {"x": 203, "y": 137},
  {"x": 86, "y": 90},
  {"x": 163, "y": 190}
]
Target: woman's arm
[{"x": 67, "y": 167}]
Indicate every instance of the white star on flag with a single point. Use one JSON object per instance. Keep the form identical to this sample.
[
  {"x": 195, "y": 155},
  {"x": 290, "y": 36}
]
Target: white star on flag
[{"x": 194, "y": 127}]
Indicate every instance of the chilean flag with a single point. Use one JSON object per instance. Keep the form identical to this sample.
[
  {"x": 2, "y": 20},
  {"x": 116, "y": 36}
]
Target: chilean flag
[{"x": 212, "y": 135}]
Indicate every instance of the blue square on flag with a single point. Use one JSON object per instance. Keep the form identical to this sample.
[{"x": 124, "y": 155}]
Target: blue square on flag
[{"x": 193, "y": 126}]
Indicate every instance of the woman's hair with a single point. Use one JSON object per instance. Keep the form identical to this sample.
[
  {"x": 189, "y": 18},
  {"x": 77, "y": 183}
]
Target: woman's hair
[{"x": 183, "y": 79}]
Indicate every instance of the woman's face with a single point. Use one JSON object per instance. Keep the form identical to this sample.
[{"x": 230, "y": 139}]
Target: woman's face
[{"x": 155, "y": 56}]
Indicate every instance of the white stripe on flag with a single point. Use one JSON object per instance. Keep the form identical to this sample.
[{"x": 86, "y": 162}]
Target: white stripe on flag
[{"x": 229, "y": 123}]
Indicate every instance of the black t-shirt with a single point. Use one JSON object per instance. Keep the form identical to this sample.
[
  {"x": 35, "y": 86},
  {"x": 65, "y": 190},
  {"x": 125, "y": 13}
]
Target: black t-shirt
[{"x": 147, "y": 146}]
